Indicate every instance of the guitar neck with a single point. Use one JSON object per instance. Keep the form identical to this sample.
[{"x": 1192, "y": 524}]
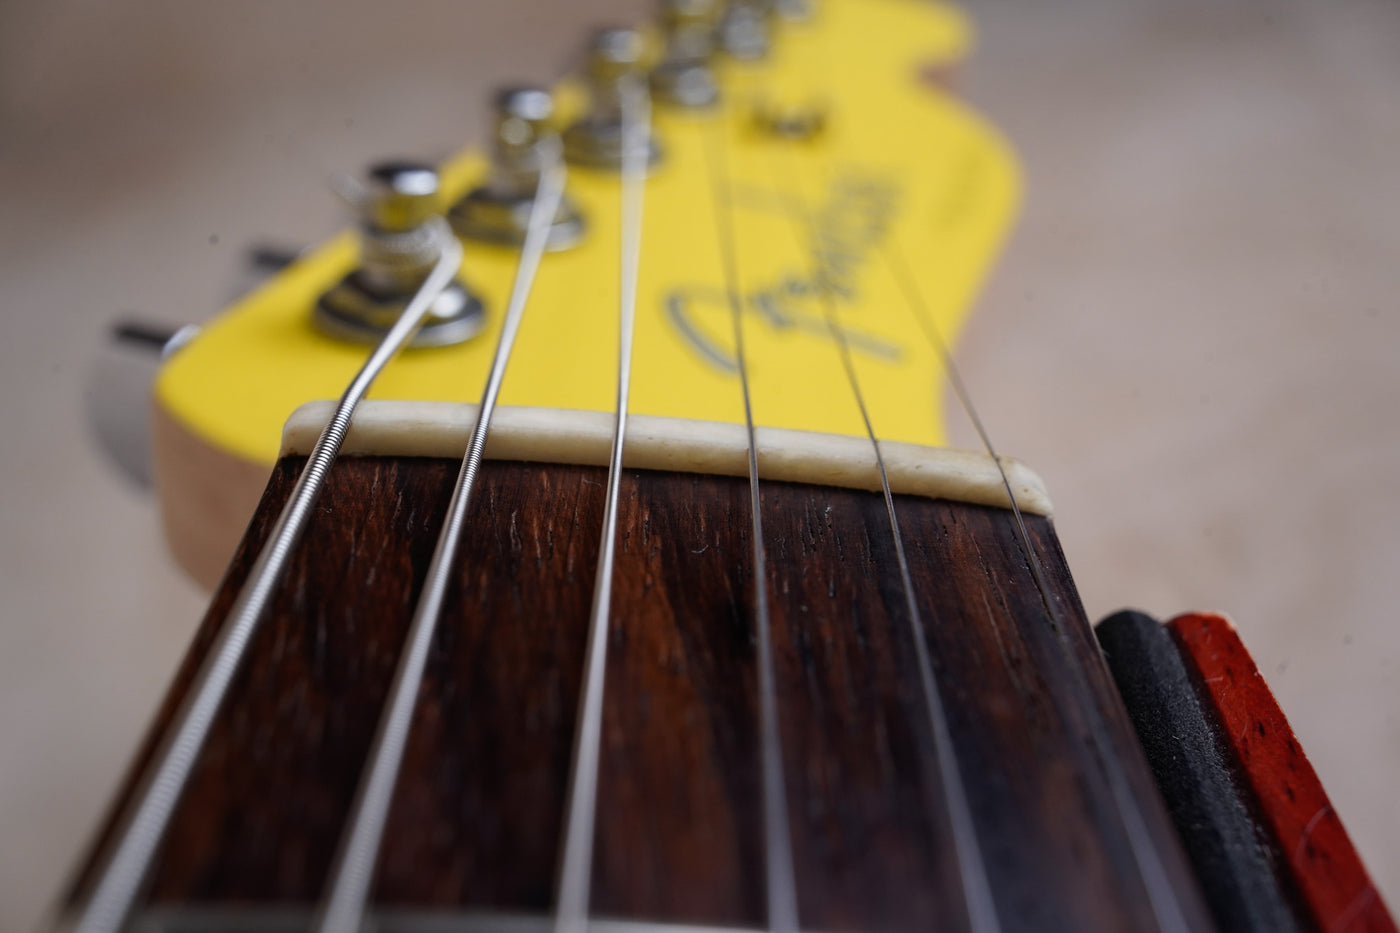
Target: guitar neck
[{"x": 477, "y": 818}]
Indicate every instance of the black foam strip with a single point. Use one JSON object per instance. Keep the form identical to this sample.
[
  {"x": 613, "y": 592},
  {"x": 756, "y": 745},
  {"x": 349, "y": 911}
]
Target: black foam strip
[{"x": 1221, "y": 838}]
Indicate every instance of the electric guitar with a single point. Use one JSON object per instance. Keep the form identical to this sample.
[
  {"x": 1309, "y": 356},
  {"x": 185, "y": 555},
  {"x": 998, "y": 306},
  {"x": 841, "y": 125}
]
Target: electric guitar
[{"x": 708, "y": 628}]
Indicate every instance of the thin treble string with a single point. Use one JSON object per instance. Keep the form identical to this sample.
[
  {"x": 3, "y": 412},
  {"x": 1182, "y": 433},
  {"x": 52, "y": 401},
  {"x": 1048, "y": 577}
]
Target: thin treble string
[
  {"x": 781, "y": 880},
  {"x": 1160, "y": 892},
  {"x": 343, "y": 910},
  {"x": 913, "y": 296},
  {"x": 163, "y": 785},
  {"x": 972, "y": 868},
  {"x": 575, "y": 876}
]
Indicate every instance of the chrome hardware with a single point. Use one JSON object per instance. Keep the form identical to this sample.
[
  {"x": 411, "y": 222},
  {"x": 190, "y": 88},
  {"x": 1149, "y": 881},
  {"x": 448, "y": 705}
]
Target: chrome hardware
[
  {"x": 499, "y": 210},
  {"x": 595, "y": 141},
  {"x": 796, "y": 11},
  {"x": 117, "y": 395},
  {"x": 684, "y": 77},
  {"x": 744, "y": 31},
  {"x": 402, "y": 233}
]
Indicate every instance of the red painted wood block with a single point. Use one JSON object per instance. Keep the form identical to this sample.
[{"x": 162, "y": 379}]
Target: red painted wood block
[{"x": 1315, "y": 847}]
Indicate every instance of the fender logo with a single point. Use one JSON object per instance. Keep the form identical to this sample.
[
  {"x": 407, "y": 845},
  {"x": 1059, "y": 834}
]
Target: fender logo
[{"x": 851, "y": 224}]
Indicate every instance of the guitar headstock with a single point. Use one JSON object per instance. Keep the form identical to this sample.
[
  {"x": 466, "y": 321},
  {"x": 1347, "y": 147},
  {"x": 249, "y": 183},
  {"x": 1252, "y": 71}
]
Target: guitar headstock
[{"x": 847, "y": 187}]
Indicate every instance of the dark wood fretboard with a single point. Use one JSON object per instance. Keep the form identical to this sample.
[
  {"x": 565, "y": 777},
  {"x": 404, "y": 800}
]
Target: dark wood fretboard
[{"x": 478, "y": 814}]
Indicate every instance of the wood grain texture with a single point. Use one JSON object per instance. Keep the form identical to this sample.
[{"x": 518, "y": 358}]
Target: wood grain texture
[
  {"x": 1314, "y": 847},
  {"x": 477, "y": 814}
]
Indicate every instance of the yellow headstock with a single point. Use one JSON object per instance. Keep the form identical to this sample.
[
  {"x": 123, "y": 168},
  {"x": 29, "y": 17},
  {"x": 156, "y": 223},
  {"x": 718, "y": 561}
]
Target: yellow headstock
[
  {"x": 898, "y": 163},
  {"x": 899, "y": 168}
]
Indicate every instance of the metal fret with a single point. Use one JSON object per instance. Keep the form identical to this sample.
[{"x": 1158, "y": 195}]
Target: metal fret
[
  {"x": 240, "y": 919},
  {"x": 162, "y": 786},
  {"x": 571, "y": 910},
  {"x": 345, "y": 904}
]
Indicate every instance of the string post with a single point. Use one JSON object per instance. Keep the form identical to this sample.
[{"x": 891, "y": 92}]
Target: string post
[
  {"x": 402, "y": 238},
  {"x": 684, "y": 77},
  {"x": 522, "y": 139},
  {"x": 745, "y": 32},
  {"x": 615, "y": 58},
  {"x": 352, "y": 873},
  {"x": 795, "y": 11},
  {"x": 794, "y": 121},
  {"x": 401, "y": 196}
]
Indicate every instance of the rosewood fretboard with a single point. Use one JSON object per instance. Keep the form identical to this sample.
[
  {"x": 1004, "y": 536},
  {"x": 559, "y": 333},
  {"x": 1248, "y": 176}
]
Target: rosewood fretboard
[{"x": 478, "y": 815}]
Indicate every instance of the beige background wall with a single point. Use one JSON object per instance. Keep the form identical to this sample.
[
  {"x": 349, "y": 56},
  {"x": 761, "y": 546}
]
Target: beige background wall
[{"x": 1193, "y": 335}]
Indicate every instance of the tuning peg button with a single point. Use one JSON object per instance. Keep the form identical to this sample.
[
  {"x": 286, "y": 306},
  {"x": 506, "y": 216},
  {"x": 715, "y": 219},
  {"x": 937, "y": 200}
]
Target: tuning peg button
[{"x": 524, "y": 141}]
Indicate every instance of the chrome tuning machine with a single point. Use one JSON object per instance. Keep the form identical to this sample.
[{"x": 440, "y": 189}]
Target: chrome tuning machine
[
  {"x": 595, "y": 141},
  {"x": 402, "y": 234},
  {"x": 523, "y": 143},
  {"x": 684, "y": 77},
  {"x": 745, "y": 32},
  {"x": 795, "y": 11}
]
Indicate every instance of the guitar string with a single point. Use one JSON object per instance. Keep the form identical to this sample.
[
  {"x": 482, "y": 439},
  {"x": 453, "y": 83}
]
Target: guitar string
[
  {"x": 233, "y": 639},
  {"x": 781, "y": 880},
  {"x": 972, "y": 869},
  {"x": 164, "y": 782},
  {"x": 343, "y": 909},
  {"x": 577, "y": 866},
  {"x": 1161, "y": 894}
]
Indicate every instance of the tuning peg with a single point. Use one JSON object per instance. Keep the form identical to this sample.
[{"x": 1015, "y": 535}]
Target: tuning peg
[
  {"x": 117, "y": 393},
  {"x": 684, "y": 77},
  {"x": 402, "y": 233},
  {"x": 615, "y": 57},
  {"x": 523, "y": 141},
  {"x": 744, "y": 32}
]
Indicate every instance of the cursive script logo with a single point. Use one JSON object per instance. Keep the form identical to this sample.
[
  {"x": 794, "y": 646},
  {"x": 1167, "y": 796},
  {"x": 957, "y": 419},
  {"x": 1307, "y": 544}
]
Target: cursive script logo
[{"x": 849, "y": 225}]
